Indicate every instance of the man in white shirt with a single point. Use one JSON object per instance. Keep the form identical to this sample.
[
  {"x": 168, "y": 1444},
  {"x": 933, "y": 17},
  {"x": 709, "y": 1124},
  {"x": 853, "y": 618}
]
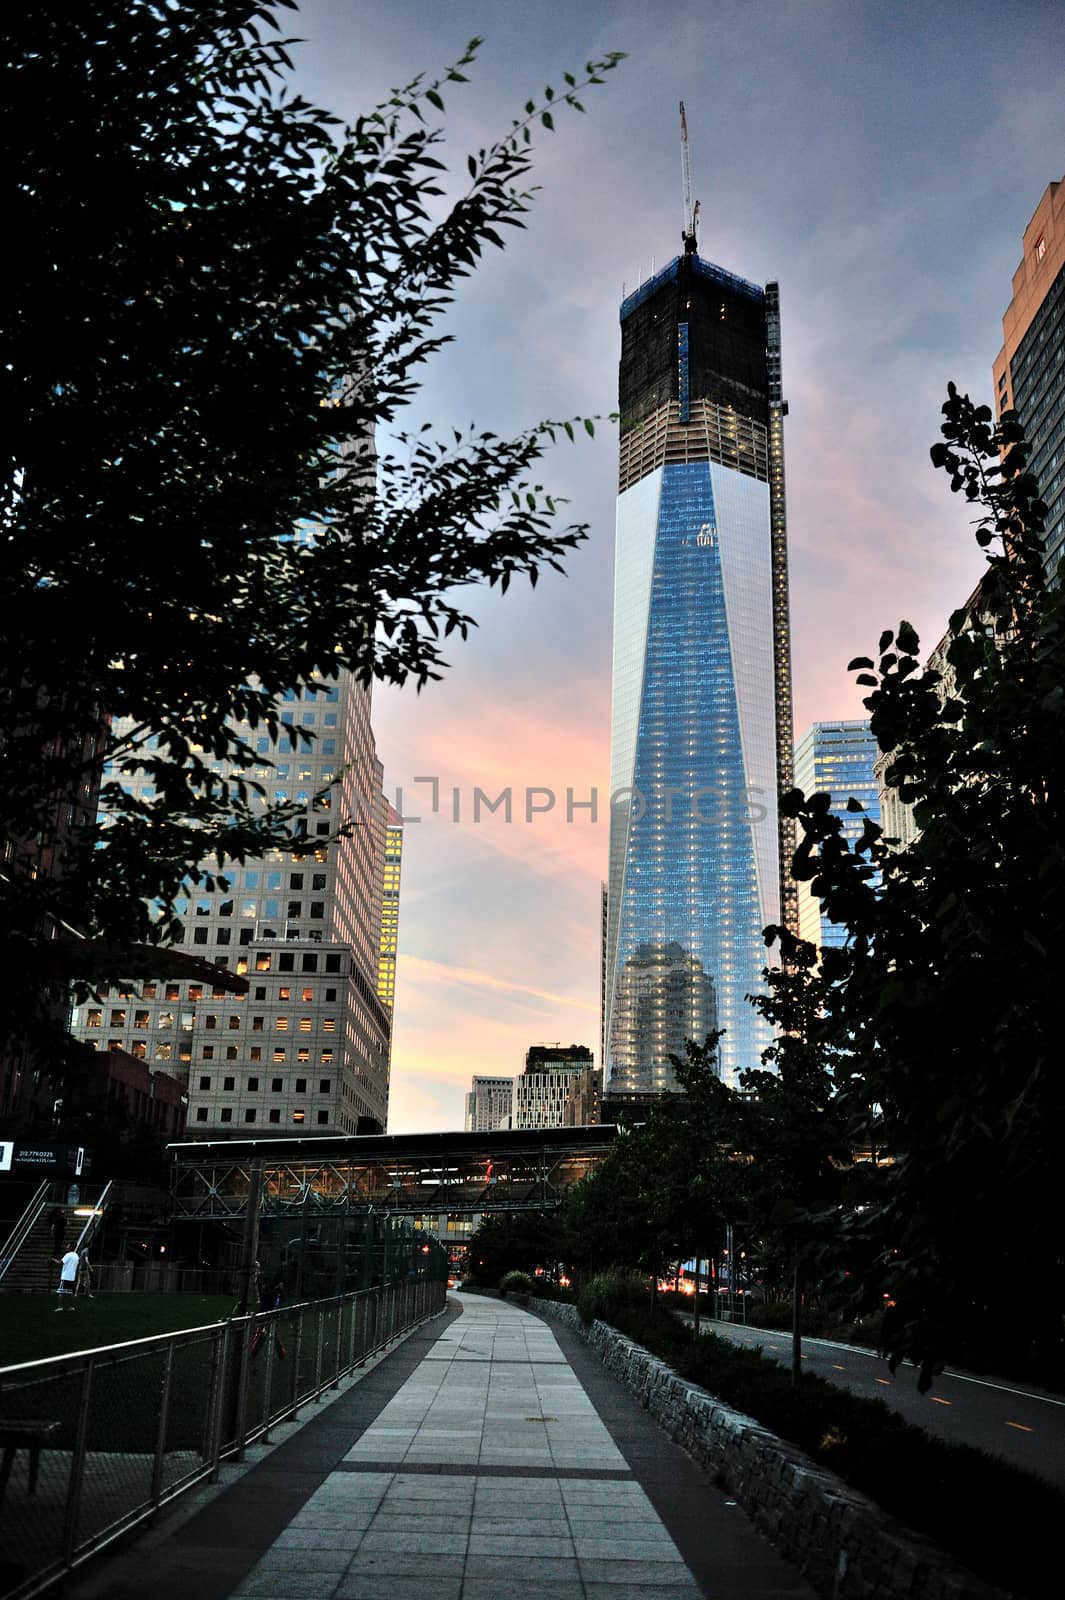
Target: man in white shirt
[{"x": 68, "y": 1277}]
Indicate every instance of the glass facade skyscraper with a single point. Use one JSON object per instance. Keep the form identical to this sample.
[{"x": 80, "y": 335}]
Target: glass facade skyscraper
[
  {"x": 838, "y": 759},
  {"x": 701, "y": 734}
]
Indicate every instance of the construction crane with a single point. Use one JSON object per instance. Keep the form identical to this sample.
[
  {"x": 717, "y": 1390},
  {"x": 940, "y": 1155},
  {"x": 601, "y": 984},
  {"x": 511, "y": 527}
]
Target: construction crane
[{"x": 691, "y": 214}]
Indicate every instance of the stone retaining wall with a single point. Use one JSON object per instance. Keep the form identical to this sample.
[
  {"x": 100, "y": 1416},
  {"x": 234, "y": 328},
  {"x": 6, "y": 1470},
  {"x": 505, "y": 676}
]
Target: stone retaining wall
[{"x": 842, "y": 1542}]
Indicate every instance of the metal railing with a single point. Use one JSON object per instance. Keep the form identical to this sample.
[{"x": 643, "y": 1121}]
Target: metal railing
[
  {"x": 24, "y": 1226},
  {"x": 100, "y": 1440}
]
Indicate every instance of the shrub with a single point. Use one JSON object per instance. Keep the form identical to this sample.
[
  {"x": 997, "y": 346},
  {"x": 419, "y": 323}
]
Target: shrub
[
  {"x": 609, "y": 1294},
  {"x": 515, "y": 1283},
  {"x": 953, "y": 1493}
]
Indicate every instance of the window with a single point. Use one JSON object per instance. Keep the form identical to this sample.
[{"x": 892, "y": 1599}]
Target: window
[
  {"x": 226, "y": 1114},
  {"x": 199, "y": 935},
  {"x": 173, "y": 992},
  {"x": 281, "y": 1024},
  {"x": 262, "y": 963},
  {"x": 327, "y": 1057},
  {"x": 322, "y": 1116},
  {"x": 253, "y": 1085},
  {"x": 275, "y": 1115},
  {"x": 94, "y": 1019},
  {"x": 305, "y": 1024},
  {"x": 308, "y": 996},
  {"x": 299, "y": 1116},
  {"x": 295, "y": 880},
  {"x": 279, "y": 1052},
  {"x": 201, "y": 1113},
  {"x": 210, "y": 1020},
  {"x": 310, "y": 963},
  {"x": 139, "y": 1049},
  {"x": 234, "y": 1021},
  {"x": 317, "y": 908},
  {"x": 275, "y": 1085},
  {"x": 222, "y": 936},
  {"x": 205, "y": 1083},
  {"x": 195, "y": 991},
  {"x": 287, "y": 963},
  {"x": 208, "y": 1052},
  {"x": 325, "y": 1086},
  {"x": 294, "y": 911},
  {"x": 301, "y": 1086},
  {"x": 303, "y": 1054},
  {"x": 330, "y": 994},
  {"x": 329, "y": 1024},
  {"x": 247, "y": 935},
  {"x": 257, "y": 1024},
  {"x": 249, "y": 1115},
  {"x": 284, "y": 993},
  {"x": 229, "y": 1083},
  {"x": 260, "y": 991},
  {"x": 332, "y": 964},
  {"x": 232, "y": 1052},
  {"x": 118, "y": 1019},
  {"x": 255, "y": 1053}
]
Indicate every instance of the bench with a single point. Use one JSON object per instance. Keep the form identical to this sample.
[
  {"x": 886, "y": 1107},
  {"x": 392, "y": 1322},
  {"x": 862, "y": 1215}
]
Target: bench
[{"x": 31, "y": 1436}]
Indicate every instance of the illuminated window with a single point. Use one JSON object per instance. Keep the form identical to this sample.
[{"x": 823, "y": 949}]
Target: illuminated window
[{"x": 299, "y": 1116}]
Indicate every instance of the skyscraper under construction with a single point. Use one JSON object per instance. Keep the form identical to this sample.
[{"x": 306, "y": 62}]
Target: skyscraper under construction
[{"x": 701, "y": 737}]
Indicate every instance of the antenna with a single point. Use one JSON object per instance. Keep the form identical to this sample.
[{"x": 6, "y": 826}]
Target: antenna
[{"x": 691, "y": 216}]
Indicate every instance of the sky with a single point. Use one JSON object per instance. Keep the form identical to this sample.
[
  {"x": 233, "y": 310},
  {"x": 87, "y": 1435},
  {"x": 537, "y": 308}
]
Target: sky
[{"x": 880, "y": 159}]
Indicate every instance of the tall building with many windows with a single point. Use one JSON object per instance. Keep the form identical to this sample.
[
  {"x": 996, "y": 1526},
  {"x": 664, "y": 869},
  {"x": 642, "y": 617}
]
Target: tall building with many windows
[
  {"x": 701, "y": 733},
  {"x": 839, "y": 759},
  {"x": 307, "y": 1049},
  {"x": 388, "y": 943},
  {"x": 1029, "y": 370},
  {"x": 489, "y": 1104}
]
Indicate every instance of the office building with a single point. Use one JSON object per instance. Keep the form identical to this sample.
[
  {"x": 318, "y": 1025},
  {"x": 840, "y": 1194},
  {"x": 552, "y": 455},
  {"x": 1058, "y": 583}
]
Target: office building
[
  {"x": 307, "y": 1049},
  {"x": 389, "y": 939},
  {"x": 1029, "y": 370},
  {"x": 489, "y": 1104},
  {"x": 839, "y": 759},
  {"x": 701, "y": 741},
  {"x": 555, "y": 1075}
]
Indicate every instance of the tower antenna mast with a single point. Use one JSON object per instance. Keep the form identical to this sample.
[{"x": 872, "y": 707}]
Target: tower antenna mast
[{"x": 691, "y": 214}]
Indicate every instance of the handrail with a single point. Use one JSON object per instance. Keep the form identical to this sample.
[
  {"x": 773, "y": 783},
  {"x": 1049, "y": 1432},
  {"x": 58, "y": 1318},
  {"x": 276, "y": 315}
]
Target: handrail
[
  {"x": 90, "y": 1222},
  {"x": 20, "y": 1232}
]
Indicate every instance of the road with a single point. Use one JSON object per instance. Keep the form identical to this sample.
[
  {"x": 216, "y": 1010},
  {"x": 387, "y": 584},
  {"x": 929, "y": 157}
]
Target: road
[{"x": 1019, "y": 1423}]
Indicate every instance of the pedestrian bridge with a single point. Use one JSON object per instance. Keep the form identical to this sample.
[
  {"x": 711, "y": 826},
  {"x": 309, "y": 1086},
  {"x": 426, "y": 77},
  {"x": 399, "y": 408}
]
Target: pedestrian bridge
[{"x": 405, "y": 1174}]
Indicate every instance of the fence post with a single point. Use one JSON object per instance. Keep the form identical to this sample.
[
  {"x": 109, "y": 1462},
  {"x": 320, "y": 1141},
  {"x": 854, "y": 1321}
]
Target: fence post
[
  {"x": 218, "y": 1399},
  {"x": 297, "y": 1357},
  {"x": 339, "y": 1343},
  {"x": 318, "y": 1356},
  {"x": 77, "y": 1465},
  {"x": 160, "y": 1436},
  {"x": 272, "y": 1337}
]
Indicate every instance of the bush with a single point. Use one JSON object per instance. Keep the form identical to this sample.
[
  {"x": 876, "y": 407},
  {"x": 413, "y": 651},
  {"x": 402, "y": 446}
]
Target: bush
[
  {"x": 609, "y": 1294},
  {"x": 954, "y": 1494},
  {"x": 515, "y": 1283}
]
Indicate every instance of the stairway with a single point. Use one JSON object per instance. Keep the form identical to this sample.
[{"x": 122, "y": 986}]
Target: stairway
[{"x": 34, "y": 1269}]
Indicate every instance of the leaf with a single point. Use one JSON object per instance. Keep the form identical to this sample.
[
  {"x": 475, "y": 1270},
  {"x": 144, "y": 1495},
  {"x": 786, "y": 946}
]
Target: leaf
[{"x": 861, "y": 661}]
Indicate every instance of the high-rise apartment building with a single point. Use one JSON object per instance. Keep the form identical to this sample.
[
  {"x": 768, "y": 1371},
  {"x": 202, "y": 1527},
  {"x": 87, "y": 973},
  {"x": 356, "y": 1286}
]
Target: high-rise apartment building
[
  {"x": 1029, "y": 370},
  {"x": 489, "y": 1104},
  {"x": 308, "y": 1048},
  {"x": 389, "y": 939},
  {"x": 839, "y": 759},
  {"x": 701, "y": 739}
]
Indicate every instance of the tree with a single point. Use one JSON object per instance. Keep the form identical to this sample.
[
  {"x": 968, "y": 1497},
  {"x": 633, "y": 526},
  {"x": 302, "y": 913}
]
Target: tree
[
  {"x": 220, "y": 294},
  {"x": 798, "y": 1136},
  {"x": 520, "y": 1241},
  {"x": 951, "y": 991}
]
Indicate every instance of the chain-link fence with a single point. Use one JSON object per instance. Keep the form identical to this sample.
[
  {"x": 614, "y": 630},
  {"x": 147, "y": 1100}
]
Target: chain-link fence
[{"x": 94, "y": 1443}]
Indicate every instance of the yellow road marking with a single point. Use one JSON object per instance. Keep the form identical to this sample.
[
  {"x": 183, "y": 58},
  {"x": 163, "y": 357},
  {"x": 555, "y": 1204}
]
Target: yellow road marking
[{"x": 1020, "y": 1426}]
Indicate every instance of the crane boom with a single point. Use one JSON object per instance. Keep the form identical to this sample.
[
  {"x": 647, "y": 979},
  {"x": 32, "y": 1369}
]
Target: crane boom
[{"x": 690, "y": 214}]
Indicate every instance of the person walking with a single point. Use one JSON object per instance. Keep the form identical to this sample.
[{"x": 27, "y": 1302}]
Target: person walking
[
  {"x": 57, "y": 1222},
  {"x": 84, "y": 1283},
  {"x": 68, "y": 1279}
]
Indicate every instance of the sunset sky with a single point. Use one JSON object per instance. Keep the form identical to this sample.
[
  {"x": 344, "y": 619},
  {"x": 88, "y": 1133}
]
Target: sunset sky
[{"x": 879, "y": 159}]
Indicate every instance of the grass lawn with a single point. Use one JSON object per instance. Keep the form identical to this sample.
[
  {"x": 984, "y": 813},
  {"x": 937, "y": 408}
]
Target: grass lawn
[{"x": 30, "y": 1329}]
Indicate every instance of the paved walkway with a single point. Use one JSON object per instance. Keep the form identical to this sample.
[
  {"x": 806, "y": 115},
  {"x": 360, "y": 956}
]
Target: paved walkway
[{"x": 489, "y": 1457}]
